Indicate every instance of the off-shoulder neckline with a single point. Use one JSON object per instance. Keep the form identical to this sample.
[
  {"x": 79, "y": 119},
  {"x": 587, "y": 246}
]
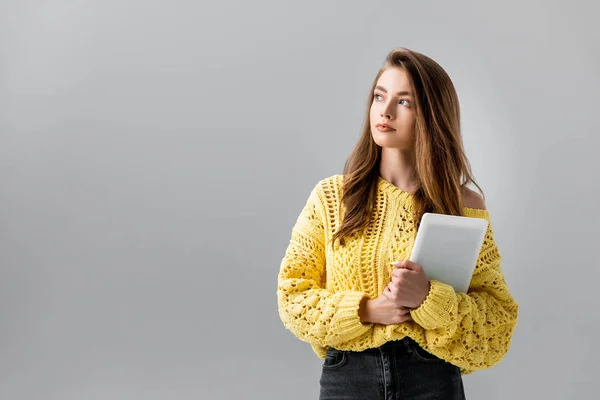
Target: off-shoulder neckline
[{"x": 406, "y": 198}]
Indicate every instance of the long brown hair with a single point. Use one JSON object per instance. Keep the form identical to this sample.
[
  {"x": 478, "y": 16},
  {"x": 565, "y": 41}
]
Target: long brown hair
[{"x": 440, "y": 160}]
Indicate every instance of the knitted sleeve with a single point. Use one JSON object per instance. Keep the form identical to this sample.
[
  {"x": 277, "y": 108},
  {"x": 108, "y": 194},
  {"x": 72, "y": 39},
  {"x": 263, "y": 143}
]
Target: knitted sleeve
[
  {"x": 310, "y": 311},
  {"x": 472, "y": 330}
]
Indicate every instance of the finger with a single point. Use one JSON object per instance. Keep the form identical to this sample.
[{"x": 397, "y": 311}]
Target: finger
[
  {"x": 411, "y": 265},
  {"x": 390, "y": 295},
  {"x": 402, "y": 273},
  {"x": 392, "y": 288},
  {"x": 398, "y": 264},
  {"x": 406, "y": 317},
  {"x": 398, "y": 272}
]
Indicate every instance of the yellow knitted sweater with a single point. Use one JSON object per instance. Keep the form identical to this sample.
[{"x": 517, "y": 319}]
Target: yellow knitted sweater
[{"x": 319, "y": 288}]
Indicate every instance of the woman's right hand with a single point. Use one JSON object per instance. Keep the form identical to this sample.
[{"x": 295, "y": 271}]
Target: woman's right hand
[{"x": 383, "y": 310}]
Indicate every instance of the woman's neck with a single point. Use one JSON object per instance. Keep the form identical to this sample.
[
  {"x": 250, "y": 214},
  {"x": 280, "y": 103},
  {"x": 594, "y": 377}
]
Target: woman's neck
[{"x": 398, "y": 167}]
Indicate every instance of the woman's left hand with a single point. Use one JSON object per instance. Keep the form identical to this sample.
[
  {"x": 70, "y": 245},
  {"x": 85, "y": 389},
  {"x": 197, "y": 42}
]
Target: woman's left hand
[{"x": 410, "y": 282}]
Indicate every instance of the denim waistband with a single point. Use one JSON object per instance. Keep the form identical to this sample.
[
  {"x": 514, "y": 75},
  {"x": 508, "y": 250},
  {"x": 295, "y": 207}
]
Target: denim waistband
[{"x": 404, "y": 345}]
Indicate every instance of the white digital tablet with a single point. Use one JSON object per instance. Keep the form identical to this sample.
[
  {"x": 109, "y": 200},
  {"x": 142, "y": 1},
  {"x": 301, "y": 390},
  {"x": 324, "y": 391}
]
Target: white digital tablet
[{"x": 447, "y": 247}]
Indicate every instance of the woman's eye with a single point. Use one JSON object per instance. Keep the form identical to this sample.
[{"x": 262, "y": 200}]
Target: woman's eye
[{"x": 378, "y": 95}]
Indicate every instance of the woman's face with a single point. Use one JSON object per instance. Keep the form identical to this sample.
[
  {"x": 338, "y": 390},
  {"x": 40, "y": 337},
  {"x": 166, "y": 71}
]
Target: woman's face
[{"x": 393, "y": 105}]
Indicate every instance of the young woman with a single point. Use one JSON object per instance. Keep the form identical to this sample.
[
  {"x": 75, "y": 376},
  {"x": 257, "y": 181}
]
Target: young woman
[{"x": 382, "y": 331}]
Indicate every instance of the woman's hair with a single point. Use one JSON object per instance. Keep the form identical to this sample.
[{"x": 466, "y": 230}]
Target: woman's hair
[{"x": 440, "y": 160}]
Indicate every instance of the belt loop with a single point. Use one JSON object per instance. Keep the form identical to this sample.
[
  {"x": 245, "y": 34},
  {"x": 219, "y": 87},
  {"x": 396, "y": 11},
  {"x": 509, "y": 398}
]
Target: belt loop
[{"x": 408, "y": 344}]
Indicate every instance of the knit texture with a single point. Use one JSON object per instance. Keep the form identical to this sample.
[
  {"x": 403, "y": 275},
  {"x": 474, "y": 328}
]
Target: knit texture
[{"x": 319, "y": 288}]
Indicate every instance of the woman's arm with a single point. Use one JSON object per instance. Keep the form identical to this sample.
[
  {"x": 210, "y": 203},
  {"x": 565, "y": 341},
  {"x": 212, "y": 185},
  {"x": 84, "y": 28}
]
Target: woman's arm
[
  {"x": 472, "y": 330},
  {"x": 312, "y": 313}
]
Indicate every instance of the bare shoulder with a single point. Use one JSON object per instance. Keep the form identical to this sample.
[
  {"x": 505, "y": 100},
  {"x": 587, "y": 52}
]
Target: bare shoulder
[{"x": 472, "y": 199}]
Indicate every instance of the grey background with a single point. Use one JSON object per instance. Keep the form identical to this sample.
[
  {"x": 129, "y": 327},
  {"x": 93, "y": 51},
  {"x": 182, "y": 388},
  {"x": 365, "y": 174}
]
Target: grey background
[{"x": 155, "y": 155}]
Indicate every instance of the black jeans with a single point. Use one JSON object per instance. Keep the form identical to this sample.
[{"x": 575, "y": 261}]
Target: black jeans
[{"x": 399, "y": 369}]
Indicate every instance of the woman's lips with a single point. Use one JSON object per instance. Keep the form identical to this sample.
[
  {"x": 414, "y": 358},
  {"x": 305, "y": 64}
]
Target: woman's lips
[{"x": 384, "y": 128}]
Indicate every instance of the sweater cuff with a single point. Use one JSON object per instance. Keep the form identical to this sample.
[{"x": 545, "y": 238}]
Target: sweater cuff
[
  {"x": 346, "y": 319},
  {"x": 437, "y": 309}
]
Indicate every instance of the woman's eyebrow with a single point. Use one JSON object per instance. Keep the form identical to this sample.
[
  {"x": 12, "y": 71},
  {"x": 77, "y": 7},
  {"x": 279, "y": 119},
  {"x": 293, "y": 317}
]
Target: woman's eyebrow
[{"x": 399, "y": 93}]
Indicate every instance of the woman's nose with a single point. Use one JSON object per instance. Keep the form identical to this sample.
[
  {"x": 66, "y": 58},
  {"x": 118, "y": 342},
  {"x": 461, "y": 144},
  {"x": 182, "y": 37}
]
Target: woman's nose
[{"x": 387, "y": 111}]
